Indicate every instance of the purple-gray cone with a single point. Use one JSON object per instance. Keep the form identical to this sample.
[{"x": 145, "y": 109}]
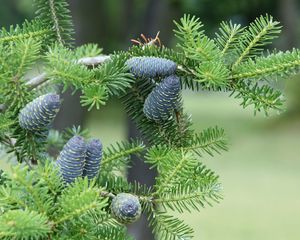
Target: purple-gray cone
[
  {"x": 40, "y": 112},
  {"x": 164, "y": 98},
  {"x": 71, "y": 159},
  {"x": 126, "y": 208},
  {"x": 151, "y": 67},
  {"x": 92, "y": 159}
]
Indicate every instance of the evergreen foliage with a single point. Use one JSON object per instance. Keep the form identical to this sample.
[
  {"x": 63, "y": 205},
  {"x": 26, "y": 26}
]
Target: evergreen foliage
[
  {"x": 55, "y": 15},
  {"x": 29, "y": 29},
  {"x": 36, "y": 202}
]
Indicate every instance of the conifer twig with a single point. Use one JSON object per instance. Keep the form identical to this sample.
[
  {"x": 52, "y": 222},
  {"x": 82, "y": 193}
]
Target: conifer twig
[
  {"x": 88, "y": 61},
  {"x": 40, "y": 79}
]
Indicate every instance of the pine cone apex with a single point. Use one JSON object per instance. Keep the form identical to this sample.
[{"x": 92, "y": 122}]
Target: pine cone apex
[
  {"x": 126, "y": 208},
  {"x": 95, "y": 146},
  {"x": 52, "y": 100},
  {"x": 173, "y": 81},
  {"x": 77, "y": 140}
]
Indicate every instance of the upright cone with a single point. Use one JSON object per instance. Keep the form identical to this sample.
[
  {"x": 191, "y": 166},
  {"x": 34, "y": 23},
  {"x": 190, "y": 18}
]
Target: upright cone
[
  {"x": 71, "y": 159},
  {"x": 151, "y": 67},
  {"x": 161, "y": 102},
  {"x": 92, "y": 159},
  {"x": 39, "y": 113}
]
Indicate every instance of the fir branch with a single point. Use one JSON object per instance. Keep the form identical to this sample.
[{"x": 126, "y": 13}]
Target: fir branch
[
  {"x": 62, "y": 67},
  {"x": 3, "y": 178},
  {"x": 192, "y": 40},
  {"x": 10, "y": 198},
  {"x": 55, "y": 20},
  {"x": 175, "y": 169},
  {"x": 49, "y": 177},
  {"x": 259, "y": 34},
  {"x": 90, "y": 50},
  {"x": 5, "y": 124},
  {"x": 114, "y": 75},
  {"x": 55, "y": 15},
  {"x": 273, "y": 65},
  {"x": 181, "y": 198},
  {"x": 92, "y": 226},
  {"x": 79, "y": 199},
  {"x": 26, "y": 180},
  {"x": 117, "y": 184},
  {"x": 210, "y": 141},
  {"x": 29, "y": 145},
  {"x": 116, "y": 233},
  {"x": 200, "y": 189},
  {"x": 23, "y": 224},
  {"x": 169, "y": 228},
  {"x": 26, "y": 54},
  {"x": 117, "y": 156},
  {"x": 263, "y": 98},
  {"x": 33, "y": 29},
  {"x": 16, "y": 96},
  {"x": 93, "y": 96},
  {"x": 87, "y": 61},
  {"x": 212, "y": 75},
  {"x": 228, "y": 36}
]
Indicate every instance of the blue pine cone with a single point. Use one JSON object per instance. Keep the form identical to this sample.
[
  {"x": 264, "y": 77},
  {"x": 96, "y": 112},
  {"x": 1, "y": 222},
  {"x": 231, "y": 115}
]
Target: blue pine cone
[
  {"x": 151, "y": 67},
  {"x": 92, "y": 159},
  {"x": 71, "y": 159},
  {"x": 126, "y": 208},
  {"x": 161, "y": 102},
  {"x": 40, "y": 112}
]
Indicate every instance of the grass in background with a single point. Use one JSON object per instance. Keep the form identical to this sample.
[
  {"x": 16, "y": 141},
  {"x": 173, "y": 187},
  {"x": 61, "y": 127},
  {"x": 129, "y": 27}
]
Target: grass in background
[{"x": 260, "y": 173}]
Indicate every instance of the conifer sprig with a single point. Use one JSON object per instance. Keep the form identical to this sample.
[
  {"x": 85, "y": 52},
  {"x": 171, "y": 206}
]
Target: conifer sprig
[
  {"x": 264, "y": 98},
  {"x": 55, "y": 15},
  {"x": 260, "y": 33},
  {"x": 167, "y": 227},
  {"x": 23, "y": 224},
  {"x": 29, "y": 29},
  {"x": 117, "y": 156},
  {"x": 275, "y": 65},
  {"x": 210, "y": 141},
  {"x": 228, "y": 36},
  {"x": 192, "y": 40},
  {"x": 94, "y": 207}
]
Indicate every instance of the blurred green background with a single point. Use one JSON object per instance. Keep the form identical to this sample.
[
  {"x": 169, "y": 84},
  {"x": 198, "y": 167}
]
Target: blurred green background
[{"x": 261, "y": 171}]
